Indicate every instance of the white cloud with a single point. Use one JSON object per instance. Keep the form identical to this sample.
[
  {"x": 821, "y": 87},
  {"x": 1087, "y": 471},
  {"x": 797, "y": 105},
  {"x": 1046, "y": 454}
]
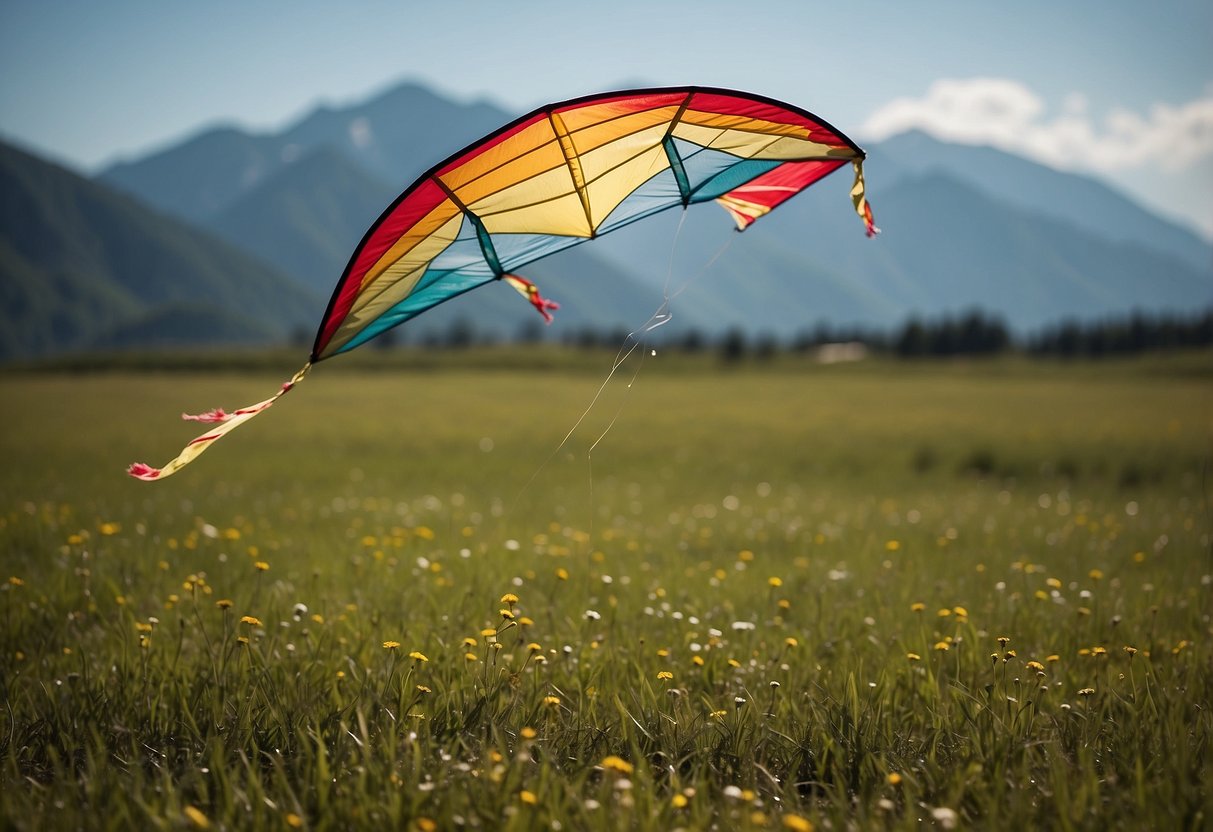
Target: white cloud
[{"x": 1009, "y": 115}]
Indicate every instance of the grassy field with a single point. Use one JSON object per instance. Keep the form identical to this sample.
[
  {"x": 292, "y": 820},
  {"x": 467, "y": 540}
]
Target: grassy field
[{"x": 881, "y": 596}]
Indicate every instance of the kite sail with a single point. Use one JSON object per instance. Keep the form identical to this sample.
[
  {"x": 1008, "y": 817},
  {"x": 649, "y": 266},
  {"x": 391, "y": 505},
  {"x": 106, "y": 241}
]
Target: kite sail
[{"x": 560, "y": 176}]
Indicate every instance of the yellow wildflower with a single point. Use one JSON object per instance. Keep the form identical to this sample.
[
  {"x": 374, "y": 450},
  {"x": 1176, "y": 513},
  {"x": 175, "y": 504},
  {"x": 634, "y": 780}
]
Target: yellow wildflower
[
  {"x": 390, "y": 645},
  {"x": 418, "y": 656},
  {"x": 195, "y": 815},
  {"x": 615, "y": 763}
]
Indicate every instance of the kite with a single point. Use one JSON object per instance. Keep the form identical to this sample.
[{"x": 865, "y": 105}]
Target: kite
[{"x": 560, "y": 176}]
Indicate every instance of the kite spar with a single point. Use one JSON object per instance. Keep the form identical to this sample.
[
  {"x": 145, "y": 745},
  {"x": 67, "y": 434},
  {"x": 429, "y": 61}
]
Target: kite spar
[{"x": 560, "y": 176}]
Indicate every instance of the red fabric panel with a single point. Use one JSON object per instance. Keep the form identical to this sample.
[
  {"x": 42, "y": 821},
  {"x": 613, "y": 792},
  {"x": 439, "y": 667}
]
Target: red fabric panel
[{"x": 776, "y": 186}]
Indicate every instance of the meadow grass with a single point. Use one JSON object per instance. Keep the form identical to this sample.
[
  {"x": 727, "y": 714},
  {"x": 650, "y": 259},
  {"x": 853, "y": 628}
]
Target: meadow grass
[{"x": 880, "y": 596}]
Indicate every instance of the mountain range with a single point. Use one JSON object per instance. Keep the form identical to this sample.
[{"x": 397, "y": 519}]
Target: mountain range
[{"x": 232, "y": 236}]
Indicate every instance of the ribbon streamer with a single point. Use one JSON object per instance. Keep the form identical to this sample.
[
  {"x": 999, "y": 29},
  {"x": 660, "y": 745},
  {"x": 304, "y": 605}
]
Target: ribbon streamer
[{"x": 227, "y": 422}]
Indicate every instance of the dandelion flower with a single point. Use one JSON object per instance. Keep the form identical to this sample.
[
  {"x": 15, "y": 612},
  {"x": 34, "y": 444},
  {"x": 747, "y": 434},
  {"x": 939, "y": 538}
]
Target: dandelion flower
[
  {"x": 775, "y": 582},
  {"x": 1132, "y": 651},
  {"x": 917, "y": 606},
  {"x": 224, "y": 603},
  {"x": 679, "y": 801},
  {"x": 529, "y": 798},
  {"x": 534, "y": 647},
  {"x": 797, "y": 824},
  {"x": 423, "y": 690},
  {"x": 196, "y": 817},
  {"x": 665, "y": 675},
  {"x": 418, "y": 656},
  {"x": 791, "y": 641},
  {"x": 250, "y": 620},
  {"x": 617, "y": 764},
  {"x": 914, "y": 657},
  {"x": 893, "y": 778},
  {"x": 261, "y": 566},
  {"x": 552, "y": 701},
  {"x": 942, "y": 646},
  {"x": 509, "y": 598},
  {"x": 1037, "y": 666},
  {"x": 562, "y": 573},
  {"x": 528, "y": 733},
  {"x": 697, "y": 661},
  {"x": 390, "y": 645},
  {"x": 1086, "y": 691}
]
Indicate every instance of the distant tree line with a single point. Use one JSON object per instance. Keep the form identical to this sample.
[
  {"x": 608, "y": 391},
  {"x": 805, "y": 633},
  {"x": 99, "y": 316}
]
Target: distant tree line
[{"x": 973, "y": 333}]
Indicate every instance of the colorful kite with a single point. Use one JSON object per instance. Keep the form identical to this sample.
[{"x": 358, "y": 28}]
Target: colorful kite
[{"x": 560, "y": 176}]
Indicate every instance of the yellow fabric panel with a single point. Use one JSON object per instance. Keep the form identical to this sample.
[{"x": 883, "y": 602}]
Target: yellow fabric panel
[
  {"x": 541, "y": 160},
  {"x": 592, "y": 136},
  {"x": 550, "y": 185},
  {"x": 440, "y": 216},
  {"x": 395, "y": 281},
  {"x": 525, "y": 141},
  {"x": 758, "y": 146},
  {"x": 597, "y": 162},
  {"x": 751, "y": 125},
  {"x": 580, "y": 118},
  {"x": 573, "y": 162},
  {"x": 505, "y": 172},
  {"x": 612, "y": 187},
  {"x": 562, "y": 215}
]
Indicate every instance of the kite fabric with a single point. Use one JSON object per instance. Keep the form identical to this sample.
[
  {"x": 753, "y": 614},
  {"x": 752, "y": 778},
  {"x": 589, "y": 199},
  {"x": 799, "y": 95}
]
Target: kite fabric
[{"x": 557, "y": 177}]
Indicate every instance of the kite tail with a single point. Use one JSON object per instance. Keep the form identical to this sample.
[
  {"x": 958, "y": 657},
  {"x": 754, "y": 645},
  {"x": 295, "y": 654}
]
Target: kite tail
[
  {"x": 531, "y": 292},
  {"x": 861, "y": 203},
  {"x": 227, "y": 423}
]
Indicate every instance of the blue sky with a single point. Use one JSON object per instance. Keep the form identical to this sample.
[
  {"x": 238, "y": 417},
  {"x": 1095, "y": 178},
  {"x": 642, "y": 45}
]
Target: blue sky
[{"x": 1121, "y": 89}]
